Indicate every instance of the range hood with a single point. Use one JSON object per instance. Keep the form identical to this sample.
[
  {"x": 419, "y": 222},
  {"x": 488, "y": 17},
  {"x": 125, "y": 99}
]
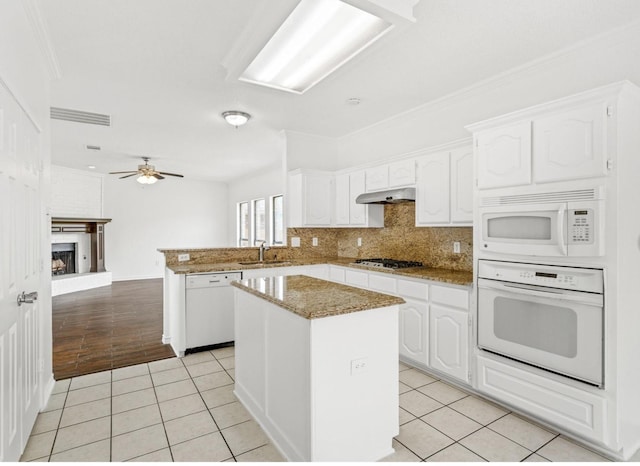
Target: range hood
[{"x": 391, "y": 196}]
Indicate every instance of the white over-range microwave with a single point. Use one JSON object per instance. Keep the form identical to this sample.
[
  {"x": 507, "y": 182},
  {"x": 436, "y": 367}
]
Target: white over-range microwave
[{"x": 568, "y": 223}]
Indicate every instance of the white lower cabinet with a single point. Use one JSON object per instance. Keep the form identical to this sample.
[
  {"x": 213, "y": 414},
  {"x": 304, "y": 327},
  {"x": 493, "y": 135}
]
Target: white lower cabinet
[
  {"x": 414, "y": 330},
  {"x": 580, "y": 411},
  {"x": 449, "y": 341}
]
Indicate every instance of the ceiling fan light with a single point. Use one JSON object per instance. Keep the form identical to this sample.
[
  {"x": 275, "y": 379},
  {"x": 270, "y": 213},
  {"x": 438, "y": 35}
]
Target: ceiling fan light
[
  {"x": 235, "y": 117},
  {"x": 146, "y": 179}
]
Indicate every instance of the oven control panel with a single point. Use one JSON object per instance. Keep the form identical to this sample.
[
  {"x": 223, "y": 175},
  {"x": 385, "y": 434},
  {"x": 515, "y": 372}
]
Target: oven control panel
[
  {"x": 552, "y": 276},
  {"x": 548, "y": 279}
]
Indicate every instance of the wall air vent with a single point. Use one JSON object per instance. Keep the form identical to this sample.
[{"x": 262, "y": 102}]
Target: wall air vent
[
  {"x": 78, "y": 116},
  {"x": 544, "y": 197}
]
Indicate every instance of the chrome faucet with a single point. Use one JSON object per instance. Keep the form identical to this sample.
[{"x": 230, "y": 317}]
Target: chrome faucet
[{"x": 263, "y": 247}]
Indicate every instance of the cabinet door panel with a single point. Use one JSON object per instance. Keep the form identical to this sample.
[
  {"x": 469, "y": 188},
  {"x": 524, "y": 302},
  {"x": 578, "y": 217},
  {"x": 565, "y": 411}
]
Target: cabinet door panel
[
  {"x": 504, "y": 156},
  {"x": 462, "y": 185},
  {"x": 402, "y": 173},
  {"x": 414, "y": 329},
  {"x": 343, "y": 200},
  {"x": 377, "y": 177},
  {"x": 571, "y": 145},
  {"x": 357, "y": 212},
  {"x": 318, "y": 200},
  {"x": 448, "y": 341},
  {"x": 432, "y": 193}
]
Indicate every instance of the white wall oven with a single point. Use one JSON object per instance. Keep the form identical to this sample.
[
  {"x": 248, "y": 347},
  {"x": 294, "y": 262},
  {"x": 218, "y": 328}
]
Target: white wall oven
[
  {"x": 551, "y": 317},
  {"x": 543, "y": 224}
]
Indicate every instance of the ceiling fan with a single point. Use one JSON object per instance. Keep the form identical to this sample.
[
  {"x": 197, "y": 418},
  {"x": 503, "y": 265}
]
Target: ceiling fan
[{"x": 147, "y": 173}]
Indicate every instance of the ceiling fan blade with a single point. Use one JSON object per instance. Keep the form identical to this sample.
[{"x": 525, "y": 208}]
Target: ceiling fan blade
[
  {"x": 171, "y": 174},
  {"x": 158, "y": 176},
  {"x": 127, "y": 176},
  {"x": 120, "y": 173}
]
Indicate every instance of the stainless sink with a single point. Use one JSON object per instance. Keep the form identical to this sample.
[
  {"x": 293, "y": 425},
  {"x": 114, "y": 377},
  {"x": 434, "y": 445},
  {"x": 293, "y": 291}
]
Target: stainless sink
[{"x": 264, "y": 262}]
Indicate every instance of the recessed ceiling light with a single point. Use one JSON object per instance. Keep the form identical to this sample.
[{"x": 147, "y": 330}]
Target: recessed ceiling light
[
  {"x": 317, "y": 38},
  {"x": 92, "y": 147},
  {"x": 92, "y": 167},
  {"x": 353, "y": 101}
]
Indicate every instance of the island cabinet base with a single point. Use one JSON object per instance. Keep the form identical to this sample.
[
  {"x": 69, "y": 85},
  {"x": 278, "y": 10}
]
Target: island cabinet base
[{"x": 323, "y": 389}]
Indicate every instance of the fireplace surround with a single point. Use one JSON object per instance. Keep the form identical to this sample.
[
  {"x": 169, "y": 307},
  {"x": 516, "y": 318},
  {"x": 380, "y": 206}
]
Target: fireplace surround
[{"x": 86, "y": 235}]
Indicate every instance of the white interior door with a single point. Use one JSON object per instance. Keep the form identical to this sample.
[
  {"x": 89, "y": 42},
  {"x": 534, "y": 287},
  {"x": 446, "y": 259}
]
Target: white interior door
[{"x": 20, "y": 166}]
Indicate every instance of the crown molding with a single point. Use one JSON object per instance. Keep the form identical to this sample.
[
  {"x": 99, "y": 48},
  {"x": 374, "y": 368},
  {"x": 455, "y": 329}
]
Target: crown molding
[{"x": 43, "y": 39}]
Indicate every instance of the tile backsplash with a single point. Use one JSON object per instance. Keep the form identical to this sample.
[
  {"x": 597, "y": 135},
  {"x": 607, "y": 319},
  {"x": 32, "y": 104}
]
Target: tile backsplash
[{"x": 399, "y": 239}]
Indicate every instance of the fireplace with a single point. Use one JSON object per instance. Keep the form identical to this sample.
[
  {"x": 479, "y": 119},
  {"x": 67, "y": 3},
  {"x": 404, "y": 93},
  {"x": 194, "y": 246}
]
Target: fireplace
[{"x": 63, "y": 258}]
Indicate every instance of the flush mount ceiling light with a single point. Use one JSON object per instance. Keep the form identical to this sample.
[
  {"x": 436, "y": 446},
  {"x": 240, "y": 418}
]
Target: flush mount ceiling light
[
  {"x": 235, "y": 117},
  {"x": 317, "y": 38}
]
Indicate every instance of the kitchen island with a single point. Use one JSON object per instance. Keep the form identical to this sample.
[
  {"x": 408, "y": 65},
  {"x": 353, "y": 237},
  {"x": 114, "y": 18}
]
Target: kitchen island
[{"x": 317, "y": 366}]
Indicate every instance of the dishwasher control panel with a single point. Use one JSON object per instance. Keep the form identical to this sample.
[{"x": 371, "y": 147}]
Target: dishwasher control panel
[{"x": 210, "y": 280}]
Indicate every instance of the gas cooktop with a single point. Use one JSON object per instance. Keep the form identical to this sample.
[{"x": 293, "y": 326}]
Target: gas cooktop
[{"x": 388, "y": 263}]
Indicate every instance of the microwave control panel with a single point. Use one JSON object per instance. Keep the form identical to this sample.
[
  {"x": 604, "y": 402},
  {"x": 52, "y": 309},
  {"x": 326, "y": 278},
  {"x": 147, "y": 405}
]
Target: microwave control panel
[{"x": 581, "y": 226}]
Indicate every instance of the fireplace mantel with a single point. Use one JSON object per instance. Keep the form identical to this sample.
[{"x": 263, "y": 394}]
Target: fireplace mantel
[{"x": 93, "y": 226}]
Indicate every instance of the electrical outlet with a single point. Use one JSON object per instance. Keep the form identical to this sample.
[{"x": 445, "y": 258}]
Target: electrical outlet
[
  {"x": 295, "y": 242},
  {"x": 359, "y": 242},
  {"x": 183, "y": 257},
  {"x": 456, "y": 247},
  {"x": 359, "y": 366},
  {"x": 314, "y": 241}
]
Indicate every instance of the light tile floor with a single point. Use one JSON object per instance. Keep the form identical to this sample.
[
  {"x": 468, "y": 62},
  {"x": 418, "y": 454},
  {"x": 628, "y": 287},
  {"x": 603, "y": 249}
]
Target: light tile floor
[{"x": 185, "y": 410}]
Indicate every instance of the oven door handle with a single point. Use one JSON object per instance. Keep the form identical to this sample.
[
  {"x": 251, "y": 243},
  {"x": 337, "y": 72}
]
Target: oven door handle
[{"x": 580, "y": 297}]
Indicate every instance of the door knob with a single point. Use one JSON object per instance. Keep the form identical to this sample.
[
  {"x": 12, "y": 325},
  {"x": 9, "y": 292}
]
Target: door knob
[{"x": 27, "y": 297}]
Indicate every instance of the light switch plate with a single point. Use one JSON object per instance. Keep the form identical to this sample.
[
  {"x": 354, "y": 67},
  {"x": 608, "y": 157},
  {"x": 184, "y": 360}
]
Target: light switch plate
[
  {"x": 314, "y": 241},
  {"x": 295, "y": 242},
  {"x": 183, "y": 257}
]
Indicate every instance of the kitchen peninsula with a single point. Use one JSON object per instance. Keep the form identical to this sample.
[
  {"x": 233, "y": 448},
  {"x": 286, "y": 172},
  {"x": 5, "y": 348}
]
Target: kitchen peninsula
[{"x": 308, "y": 353}]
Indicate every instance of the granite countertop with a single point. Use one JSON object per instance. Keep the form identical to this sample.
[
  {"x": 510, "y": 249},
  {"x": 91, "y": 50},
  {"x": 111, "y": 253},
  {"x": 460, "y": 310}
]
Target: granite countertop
[
  {"x": 313, "y": 298},
  {"x": 454, "y": 277}
]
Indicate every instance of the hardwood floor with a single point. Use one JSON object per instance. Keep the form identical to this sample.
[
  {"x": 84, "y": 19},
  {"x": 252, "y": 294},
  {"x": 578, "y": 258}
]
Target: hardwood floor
[{"x": 108, "y": 327}]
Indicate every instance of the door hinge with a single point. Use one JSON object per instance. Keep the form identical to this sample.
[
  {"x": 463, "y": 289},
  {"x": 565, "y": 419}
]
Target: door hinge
[
  {"x": 470, "y": 321},
  {"x": 469, "y": 376},
  {"x": 41, "y": 364},
  {"x": 609, "y": 164},
  {"x": 609, "y": 110}
]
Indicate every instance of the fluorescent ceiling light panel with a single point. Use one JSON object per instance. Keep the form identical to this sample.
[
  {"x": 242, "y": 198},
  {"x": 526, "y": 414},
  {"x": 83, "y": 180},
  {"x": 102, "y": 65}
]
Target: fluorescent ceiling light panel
[{"x": 317, "y": 38}]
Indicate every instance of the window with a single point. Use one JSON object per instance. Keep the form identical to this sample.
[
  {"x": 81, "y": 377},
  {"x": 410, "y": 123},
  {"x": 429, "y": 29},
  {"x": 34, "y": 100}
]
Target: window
[
  {"x": 277, "y": 220},
  {"x": 259, "y": 222},
  {"x": 244, "y": 224}
]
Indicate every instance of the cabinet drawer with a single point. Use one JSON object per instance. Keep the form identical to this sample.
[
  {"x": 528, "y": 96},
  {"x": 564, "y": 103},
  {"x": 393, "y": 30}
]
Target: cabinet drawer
[
  {"x": 450, "y": 296},
  {"x": 382, "y": 284},
  {"x": 357, "y": 278},
  {"x": 413, "y": 289},
  {"x": 336, "y": 274},
  {"x": 575, "y": 410}
]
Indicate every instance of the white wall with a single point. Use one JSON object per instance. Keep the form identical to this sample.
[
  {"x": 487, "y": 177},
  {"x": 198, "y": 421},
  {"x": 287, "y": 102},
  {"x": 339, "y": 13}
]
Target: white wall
[
  {"x": 259, "y": 185},
  {"x": 182, "y": 213},
  {"x": 75, "y": 193},
  {"x": 608, "y": 59},
  {"x": 310, "y": 151}
]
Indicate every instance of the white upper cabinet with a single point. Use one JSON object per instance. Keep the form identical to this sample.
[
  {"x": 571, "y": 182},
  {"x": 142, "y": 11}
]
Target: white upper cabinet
[
  {"x": 444, "y": 188},
  {"x": 348, "y": 187},
  {"x": 391, "y": 175},
  {"x": 571, "y": 144},
  {"x": 310, "y": 199},
  {"x": 342, "y": 200},
  {"x": 504, "y": 156},
  {"x": 377, "y": 178},
  {"x": 402, "y": 173},
  {"x": 432, "y": 196},
  {"x": 462, "y": 185}
]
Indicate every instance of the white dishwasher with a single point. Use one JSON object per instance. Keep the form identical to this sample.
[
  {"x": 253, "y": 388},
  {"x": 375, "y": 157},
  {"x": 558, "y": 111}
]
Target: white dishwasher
[{"x": 209, "y": 308}]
